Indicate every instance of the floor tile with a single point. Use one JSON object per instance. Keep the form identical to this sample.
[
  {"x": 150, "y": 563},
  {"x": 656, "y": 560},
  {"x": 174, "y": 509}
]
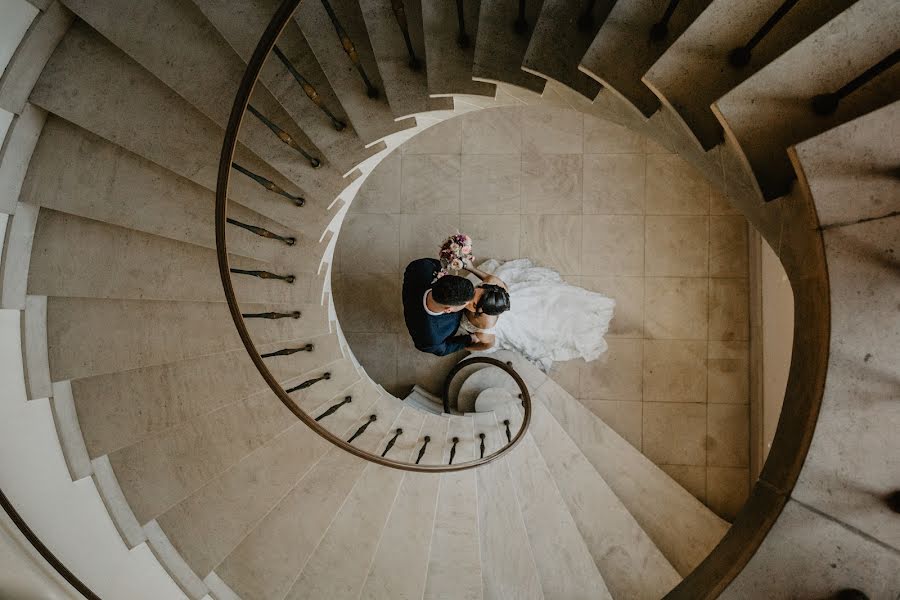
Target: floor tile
[
  {"x": 674, "y": 433},
  {"x": 370, "y": 244},
  {"x": 616, "y": 375},
  {"x": 727, "y": 489},
  {"x": 443, "y": 138},
  {"x": 491, "y": 184},
  {"x": 614, "y": 184},
  {"x": 493, "y": 236},
  {"x": 628, "y": 292},
  {"x": 606, "y": 137},
  {"x": 551, "y": 183},
  {"x": 431, "y": 183},
  {"x": 552, "y": 241},
  {"x": 422, "y": 235},
  {"x": 381, "y": 191},
  {"x": 728, "y": 442},
  {"x": 729, "y": 317},
  {"x": 623, "y": 417},
  {"x": 674, "y": 187},
  {"x": 728, "y": 378},
  {"x": 382, "y": 312},
  {"x": 551, "y": 130},
  {"x": 377, "y": 353},
  {"x": 691, "y": 478},
  {"x": 566, "y": 374},
  {"x": 492, "y": 131},
  {"x": 613, "y": 245},
  {"x": 676, "y": 246},
  {"x": 675, "y": 371},
  {"x": 728, "y": 254},
  {"x": 675, "y": 308}
]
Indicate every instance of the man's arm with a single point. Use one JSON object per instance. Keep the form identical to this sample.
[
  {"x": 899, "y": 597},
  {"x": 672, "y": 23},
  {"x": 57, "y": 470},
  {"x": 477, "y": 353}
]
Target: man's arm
[{"x": 449, "y": 346}]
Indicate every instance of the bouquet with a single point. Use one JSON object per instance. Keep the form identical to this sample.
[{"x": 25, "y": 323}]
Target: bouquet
[{"x": 455, "y": 253}]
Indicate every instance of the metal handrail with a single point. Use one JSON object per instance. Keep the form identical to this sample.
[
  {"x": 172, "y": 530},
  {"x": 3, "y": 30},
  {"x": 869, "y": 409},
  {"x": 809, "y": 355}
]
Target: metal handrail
[{"x": 242, "y": 98}]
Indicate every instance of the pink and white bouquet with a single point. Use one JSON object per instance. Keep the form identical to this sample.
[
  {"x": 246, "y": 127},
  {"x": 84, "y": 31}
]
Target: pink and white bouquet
[{"x": 455, "y": 253}]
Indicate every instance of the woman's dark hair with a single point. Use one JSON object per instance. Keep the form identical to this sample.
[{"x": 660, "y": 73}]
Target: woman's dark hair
[
  {"x": 494, "y": 300},
  {"x": 452, "y": 290}
]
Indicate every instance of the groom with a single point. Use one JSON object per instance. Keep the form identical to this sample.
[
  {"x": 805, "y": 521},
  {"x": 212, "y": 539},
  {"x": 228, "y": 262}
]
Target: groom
[{"x": 433, "y": 309}]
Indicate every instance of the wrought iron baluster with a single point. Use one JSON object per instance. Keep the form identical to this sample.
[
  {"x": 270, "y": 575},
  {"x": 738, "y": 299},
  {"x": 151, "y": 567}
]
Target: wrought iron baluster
[
  {"x": 520, "y": 25},
  {"x": 265, "y": 275},
  {"x": 660, "y": 29},
  {"x": 309, "y": 383},
  {"x": 289, "y": 351},
  {"x": 309, "y": 90},
  {"x": 481, "y": 437},
  {"x": 508, "y": 433},
  {"x": 462, "y": 39},
  {"x": 272, "y": 315},
  {"x": 825, "y": 104},
  {"x": 261, "y": 232},
  {"x": 586, "y": 19},
  {"x": 740, "y": 57},
  {"x": 334, "y": 408},
  {"x": 363, "y": 427},
  {"x": 284, "y": 136},
  {"x": 391, "y": 442},
  {"x": 269, "y": 185},
  {"x": 422, "y": 449},
  {"x": 453, "y": 450},
  {"x": 400, "y": 14},
  {"x": 350, "y": 49}
]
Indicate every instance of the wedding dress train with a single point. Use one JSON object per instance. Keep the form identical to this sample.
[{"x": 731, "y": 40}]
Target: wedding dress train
[{"x": 549, "y": 320}]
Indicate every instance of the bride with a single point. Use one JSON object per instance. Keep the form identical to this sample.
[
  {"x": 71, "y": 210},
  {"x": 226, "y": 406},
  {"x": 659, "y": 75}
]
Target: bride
[{"x": 543, "y": 318}]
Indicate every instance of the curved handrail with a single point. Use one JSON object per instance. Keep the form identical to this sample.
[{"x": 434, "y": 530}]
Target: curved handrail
[{"x": 241, "y": 101}]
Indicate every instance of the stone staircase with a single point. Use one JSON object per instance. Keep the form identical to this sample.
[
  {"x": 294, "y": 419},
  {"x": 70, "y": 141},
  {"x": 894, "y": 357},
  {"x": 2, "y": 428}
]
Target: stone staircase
[{"x": 115, "y": 330}]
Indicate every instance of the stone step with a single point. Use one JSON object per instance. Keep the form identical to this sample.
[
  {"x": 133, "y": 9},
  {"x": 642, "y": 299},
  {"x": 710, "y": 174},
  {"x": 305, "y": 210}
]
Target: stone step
[
  {"x": 424, "y": 401},
  {"x": 624, "y": 48},
  {"x": 131, "y": 192},
  {"x": 631, "y": 565},
  {"x": 193, "y": 59},
  {"x": 450, "y": 64},
  {"x": 77, "y": 257},
  {"x": 241, "y": 25},
  {"x": 16, "y": 153},
  {"x": 854, "y": 160},
  {"x": 90, "y": 83},
  {"x": 679, "y": 524},
  {"x": 159, "y": 471},
  {"x": 267, "y": 562},
  {"x": 118, "y": 409},
  {"x": 558, "y": 42},
  {"x": 454, "y": 567},
  {"x": 209, "y": 524},
  {"x": 772, "y": 109},
  {"x": 564, "y": 562},
  {"x": 400, "y": 562},
  {"x": 338, "y": 567},
  {"x": 694, "y": 72},
  {"x": 503, "y": 41},
  {"x": 89, "y": 336},
  {"x": 372, "y": 117}
]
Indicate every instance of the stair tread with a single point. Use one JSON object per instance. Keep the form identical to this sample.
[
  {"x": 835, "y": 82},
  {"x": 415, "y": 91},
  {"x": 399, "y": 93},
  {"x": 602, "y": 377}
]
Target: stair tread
[
  {"x": 557, "y": 44},
  {"x": 694, "y": 72},
  {"x": 267, "y": 562},
  {"x": 500, "y": 49},
  {"x": 449, "y": 66},
  {"x": 622, "y": 51}
]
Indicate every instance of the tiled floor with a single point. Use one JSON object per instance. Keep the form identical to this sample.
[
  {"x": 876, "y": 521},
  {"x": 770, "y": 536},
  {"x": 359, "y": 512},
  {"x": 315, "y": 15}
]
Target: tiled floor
[{"x": 614, "y": 213}]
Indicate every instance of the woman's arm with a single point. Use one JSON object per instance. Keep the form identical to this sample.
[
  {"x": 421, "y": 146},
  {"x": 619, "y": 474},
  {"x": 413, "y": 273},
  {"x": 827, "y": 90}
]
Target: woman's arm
[
  {"x": 485, "y": 277},
  {"x": 485, "y": 341}
]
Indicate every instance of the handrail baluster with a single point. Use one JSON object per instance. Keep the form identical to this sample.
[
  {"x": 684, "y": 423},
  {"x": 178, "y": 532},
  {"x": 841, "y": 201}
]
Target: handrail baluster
[
  {"x": 391, "y": 442},
  {"x": 289, "y": 351},
  {"x": 586, "y": 18},
  {"x": 350, "y": 49},
  {"x": 462, "y": 38},
  {"x": 825, "y": 104},
  {"x": 334, "y": 408},
  {"x": 508, "y": 434},
  {"x": 520, "y": 25},
  {"x": 660, "y": 29},
  {"x": 268, "y": 184},
  {"x": 363, "y": 427},
  {"x": 264, "y": 275},
  {"x": 308, "y": 89},
  {"x": 285, "y": 137},
  {"x": 309, "y": 382},
  {"x": 740, "y": 57},
  {"x": 262, "y": 232},
  {"x": 453, "y": 450},
  {"x": 481, "y": 437},
  {"x": 426, "y": 439},
  {"x": 272, "y": 315},
  {"x": 400, "y": 14}
]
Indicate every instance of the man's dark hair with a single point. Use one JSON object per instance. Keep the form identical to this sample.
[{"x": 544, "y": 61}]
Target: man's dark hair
[
  {"x": 494, "y": 300},
  {"x": 452, "y": 290}
]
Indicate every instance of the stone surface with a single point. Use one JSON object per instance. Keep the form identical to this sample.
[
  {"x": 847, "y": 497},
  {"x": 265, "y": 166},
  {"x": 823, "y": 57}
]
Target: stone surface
[
  {"x": 675, "y": 371},
  {"x": 613, "y": 245},
  {"x": 551, "y": 183},
  {"x": 676, "y": 308},
  {"x": 677, "y": 246},
  {"x": 614, "y": 183},
  {"x": 675, "y": 433}
]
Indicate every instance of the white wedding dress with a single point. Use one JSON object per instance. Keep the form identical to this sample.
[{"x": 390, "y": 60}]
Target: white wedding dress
[{"x": 548, "y": 320}]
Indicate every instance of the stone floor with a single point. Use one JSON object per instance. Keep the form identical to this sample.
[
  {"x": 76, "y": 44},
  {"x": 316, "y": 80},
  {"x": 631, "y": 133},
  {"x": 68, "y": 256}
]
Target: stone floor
[{"x": 614, "y": 213}]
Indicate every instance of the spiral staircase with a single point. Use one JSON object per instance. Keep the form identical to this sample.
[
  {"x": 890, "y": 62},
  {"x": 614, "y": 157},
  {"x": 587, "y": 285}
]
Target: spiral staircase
[{"x": 161, "y": 439}]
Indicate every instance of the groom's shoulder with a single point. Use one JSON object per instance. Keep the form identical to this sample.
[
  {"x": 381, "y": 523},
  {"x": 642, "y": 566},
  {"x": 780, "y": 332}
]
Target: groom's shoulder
[{"x": 422, "y": 267}]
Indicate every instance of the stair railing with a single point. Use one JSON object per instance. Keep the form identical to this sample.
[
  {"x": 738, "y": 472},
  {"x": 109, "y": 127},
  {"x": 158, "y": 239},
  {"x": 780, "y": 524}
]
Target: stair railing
[
  {"x": 241, "y": 106},
  {"x": 400, "y": 14},
  {"x": 740, "y": 56},
  {"x": 462, "y": 38},
  {"x": 826, "y": 104},
  {"x": 308, "y": 89},
  {"x": 350, "y": 49}
]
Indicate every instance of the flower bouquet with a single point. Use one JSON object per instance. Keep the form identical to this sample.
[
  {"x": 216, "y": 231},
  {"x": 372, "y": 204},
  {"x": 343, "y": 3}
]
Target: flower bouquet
[{"x": 455, "y": 253}]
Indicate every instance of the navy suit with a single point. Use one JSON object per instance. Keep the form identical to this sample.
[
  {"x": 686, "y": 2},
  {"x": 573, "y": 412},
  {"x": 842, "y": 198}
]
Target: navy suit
[{"x": 430, "y": 333}]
